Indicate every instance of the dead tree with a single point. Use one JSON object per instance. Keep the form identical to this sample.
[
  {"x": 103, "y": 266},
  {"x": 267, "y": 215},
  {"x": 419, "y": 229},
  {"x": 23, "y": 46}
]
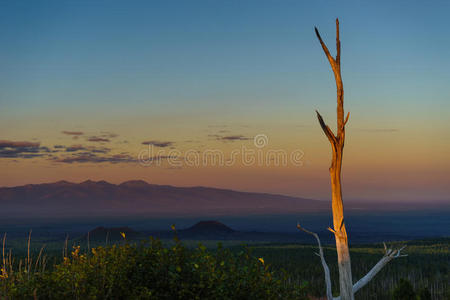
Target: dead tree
[{"x": 346, "y": 287}]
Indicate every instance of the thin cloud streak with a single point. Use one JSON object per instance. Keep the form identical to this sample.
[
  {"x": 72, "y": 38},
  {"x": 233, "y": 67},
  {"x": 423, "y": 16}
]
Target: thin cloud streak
[
  {"x": 18, "y": 144},
  {"x": 77, "y": 133},
  {"x": 158, "y": 144},
  {"x": 98, "y": 139}
]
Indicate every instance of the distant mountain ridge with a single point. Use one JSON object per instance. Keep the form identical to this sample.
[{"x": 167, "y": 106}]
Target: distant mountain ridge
[{"x": 137, "y": 197}]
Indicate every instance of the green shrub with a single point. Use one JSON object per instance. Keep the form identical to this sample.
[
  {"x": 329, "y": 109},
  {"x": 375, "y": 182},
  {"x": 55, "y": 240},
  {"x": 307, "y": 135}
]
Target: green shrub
[
  {"x": 404, "y": 291},
  {"x": 423, "y": 294},
  {"x": 151, "y": 271}
]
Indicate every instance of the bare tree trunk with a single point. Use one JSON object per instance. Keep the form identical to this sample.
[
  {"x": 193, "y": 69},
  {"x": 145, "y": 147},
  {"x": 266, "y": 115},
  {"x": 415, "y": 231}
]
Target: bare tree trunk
[
  {"x": 340, "y": 232},
  {"x": 389, "y": 255},
  {"x": 337, "y": 145},
  {"x": 347, "y": 289}
]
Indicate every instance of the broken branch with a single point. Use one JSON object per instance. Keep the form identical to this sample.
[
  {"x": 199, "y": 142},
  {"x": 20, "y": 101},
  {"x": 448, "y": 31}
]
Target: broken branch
[
  {"x": 325, "y": 49},
  {"x": 326, "y": 270},
  {"x": 326, "y": 129},
  {"x": 346, "y": 118}
]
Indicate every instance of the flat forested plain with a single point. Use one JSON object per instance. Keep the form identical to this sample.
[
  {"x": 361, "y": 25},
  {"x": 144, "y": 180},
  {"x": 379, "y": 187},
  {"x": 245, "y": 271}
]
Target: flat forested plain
[{"x": 426, "y": 266}]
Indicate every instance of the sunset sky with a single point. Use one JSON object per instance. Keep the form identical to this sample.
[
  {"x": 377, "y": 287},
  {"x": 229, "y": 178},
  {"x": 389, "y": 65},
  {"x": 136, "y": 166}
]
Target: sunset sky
[{"x": 87, "y": 86}]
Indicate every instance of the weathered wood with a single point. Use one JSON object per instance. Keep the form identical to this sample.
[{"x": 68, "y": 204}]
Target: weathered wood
[
  {"x": 326, "y": 130},
  {"x": 326, "y": 270},
  {"x": 347, "y": 289},
  {"x": 388, "y": 256},
  {"x": 337, "y": 145}
]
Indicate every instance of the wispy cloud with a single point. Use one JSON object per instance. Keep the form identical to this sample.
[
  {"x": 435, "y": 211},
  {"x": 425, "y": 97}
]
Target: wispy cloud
[
  {"x": 17, "y": 144},
  {"x": 158, "y": 143},
  {"x": 21, "y": 149},
  {"x": 92, "y": 149},
  {"x": 99, "y": 150},
  {"x": 109, "y": 135},
  {"x": 72, "y": 132},
  {"x": 234, "y": 138},
  {"x": 229, "y": 138},
  {"x": 87, "y": 157},
  {"x": 75, "y": 148},
  {"x": 98, "y": 139}
]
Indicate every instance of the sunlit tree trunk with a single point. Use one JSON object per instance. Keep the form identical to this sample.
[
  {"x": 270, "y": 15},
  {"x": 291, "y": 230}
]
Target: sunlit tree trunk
[
  {"x": 337, "y": 146},
  {"x": 347, "y": 289}
]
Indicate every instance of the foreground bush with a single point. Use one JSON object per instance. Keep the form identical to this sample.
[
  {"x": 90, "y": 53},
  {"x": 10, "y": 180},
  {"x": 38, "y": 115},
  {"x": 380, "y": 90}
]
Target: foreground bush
[{"x": 152, "y": 271}]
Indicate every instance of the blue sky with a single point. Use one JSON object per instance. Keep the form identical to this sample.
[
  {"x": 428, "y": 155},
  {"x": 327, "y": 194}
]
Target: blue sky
[{"x": 179, "y": 51}]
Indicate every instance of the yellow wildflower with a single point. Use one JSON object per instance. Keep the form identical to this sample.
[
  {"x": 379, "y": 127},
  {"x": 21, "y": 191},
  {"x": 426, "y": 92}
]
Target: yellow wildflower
[
  {"x": 76, "y": 250},
  {"x": 3, "y": 274},
  {"x": 123, "y": 235},
  {"x": 261, "y": 260}
]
